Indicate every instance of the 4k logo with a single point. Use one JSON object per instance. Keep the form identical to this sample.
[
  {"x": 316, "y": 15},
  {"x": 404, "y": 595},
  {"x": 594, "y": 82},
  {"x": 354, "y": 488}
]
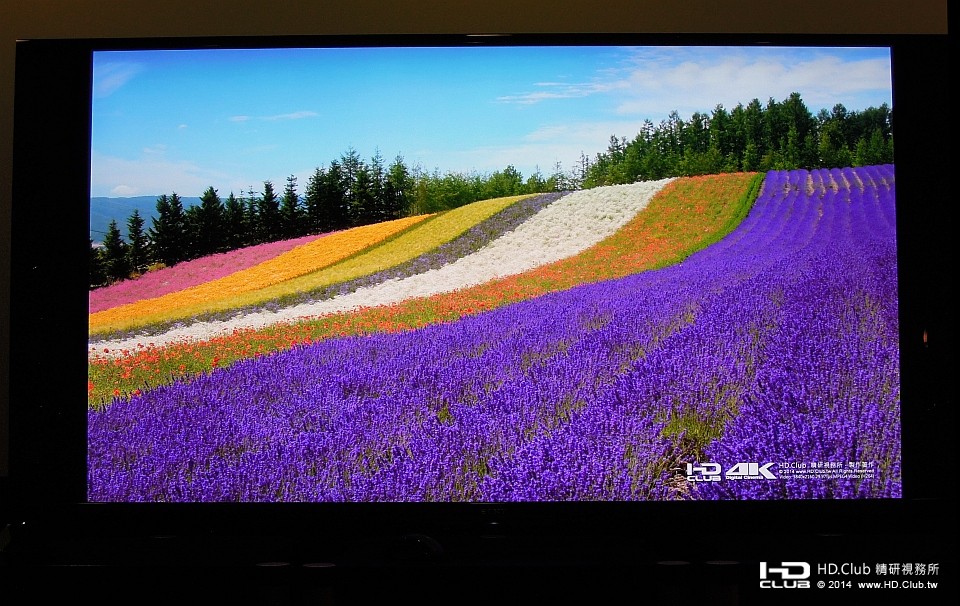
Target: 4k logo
[
  {"x": 753, "y": 471},
  {"x": 789, "y": 575},
  {"x": 712, "y": 472}
]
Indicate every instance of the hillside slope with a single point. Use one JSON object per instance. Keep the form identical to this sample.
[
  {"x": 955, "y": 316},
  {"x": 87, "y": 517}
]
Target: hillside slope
[{"x": 772, "y": 340}]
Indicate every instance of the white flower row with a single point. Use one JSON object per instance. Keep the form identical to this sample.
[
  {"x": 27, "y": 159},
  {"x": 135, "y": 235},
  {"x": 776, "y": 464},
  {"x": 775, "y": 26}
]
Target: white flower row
[{"x": 566, "y": 227}]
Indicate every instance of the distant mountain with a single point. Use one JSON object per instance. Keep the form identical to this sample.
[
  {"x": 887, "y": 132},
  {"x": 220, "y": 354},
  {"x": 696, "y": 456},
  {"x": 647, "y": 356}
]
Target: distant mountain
[{"x": 104, "y": 209}]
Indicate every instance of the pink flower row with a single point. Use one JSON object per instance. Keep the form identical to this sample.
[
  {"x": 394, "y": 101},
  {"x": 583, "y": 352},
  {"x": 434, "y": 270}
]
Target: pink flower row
[{"x": 190, "y": 273}]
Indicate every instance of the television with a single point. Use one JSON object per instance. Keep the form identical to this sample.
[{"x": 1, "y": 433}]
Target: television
[{"x": 503, "y": 299}]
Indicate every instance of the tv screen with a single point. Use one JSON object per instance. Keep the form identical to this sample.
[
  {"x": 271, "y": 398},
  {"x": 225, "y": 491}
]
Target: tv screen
[
  {"x": 493, "y": 273},
  {"x": 556, "y": 280}
]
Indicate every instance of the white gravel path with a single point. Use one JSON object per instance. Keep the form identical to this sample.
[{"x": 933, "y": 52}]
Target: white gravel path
[{"x": 570, "y": 225}]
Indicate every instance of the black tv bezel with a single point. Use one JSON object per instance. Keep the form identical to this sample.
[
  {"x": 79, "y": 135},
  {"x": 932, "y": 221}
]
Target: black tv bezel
[{"x": 46, "y": 485}]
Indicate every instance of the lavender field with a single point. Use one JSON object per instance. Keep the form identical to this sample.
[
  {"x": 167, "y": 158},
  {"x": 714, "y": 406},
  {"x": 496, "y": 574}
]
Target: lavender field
[{"x": 776, "y": 345}]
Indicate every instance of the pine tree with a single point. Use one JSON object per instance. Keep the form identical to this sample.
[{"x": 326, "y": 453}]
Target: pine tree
[
  {"x": 290, "y": 212},
  {"x": 721, "y": 131},
  {"x": 362, "y": 209},
  {"x": 97, "y": 274},
  {"x": 208, "y": 224},
  {"x": 234, "y": 223},
  {"x": 268, "y": 214},
  {"x": 178, "y": 225},
  {"x": 800, "y": 125},
  {"x": 158, "y": 232},
  {"x": 168, "y": 234},
  {"x": 138, "y": 254},
  {"x": 753, "y": 130},
  {"x": 115, "y": 262},
  {"x": 378, "y": 177},
  {"x": 194, "y": 246},
  {"x": 317, "y": 218},
  {"x": 397, "y": 190},
  {"x": 334, "y": 197},
  {"x": 353, "y": 169},
  {"x": 251, "y": 219}
]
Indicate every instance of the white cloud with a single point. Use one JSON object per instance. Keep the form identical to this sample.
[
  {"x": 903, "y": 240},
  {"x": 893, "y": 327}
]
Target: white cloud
[
  {"x": 289, "y": 116},
  {"x": 560, "y": 90},
  {"x": 110, "y": 77},
  {"x": 292, "y": 116},
  {"x": 652, "y": 82},
  {"x": 153, "y": 175},
  {"x": 544, "y": 147},
  {"x": 124, "y": 190},
  {"x": 701, "y": 83}
]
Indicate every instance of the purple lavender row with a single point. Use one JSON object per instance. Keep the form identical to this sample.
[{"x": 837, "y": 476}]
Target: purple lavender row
[
  {"x": 652, "y": 395},
  {"x": 843, "y": 408},
  {"x": 593, "y": 393},
  {"x": 636, "y": 433},
  {"x": 386, "y": 425},
  {"x": 721, "y": 364},
  {"x": 493, "y": 383}
]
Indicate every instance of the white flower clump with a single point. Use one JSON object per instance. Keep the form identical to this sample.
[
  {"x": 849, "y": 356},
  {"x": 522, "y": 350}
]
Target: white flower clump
[{"x": 564, "y": 228}]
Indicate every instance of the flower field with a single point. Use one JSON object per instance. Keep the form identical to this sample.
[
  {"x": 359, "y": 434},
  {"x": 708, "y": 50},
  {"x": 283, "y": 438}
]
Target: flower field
[
  {"x": 590, "y": 349},
  {"x": 189, "y": 273},
  {"x": 314, "y": 255}
]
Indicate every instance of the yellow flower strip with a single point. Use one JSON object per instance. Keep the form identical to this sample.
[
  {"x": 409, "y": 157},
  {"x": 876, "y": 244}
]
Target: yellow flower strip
[
  {"x": 406, "y": 246},
  {"x": 294, "y": 263}
]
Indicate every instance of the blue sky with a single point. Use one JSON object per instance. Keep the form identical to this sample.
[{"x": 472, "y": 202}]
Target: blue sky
[{"x": 181, "y": 121}]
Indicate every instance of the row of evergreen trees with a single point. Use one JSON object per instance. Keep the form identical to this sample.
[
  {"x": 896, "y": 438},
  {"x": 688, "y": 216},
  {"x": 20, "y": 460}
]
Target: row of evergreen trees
[
  {"x": 350, "y": 191},
  {"x": 779, "y": 136}
]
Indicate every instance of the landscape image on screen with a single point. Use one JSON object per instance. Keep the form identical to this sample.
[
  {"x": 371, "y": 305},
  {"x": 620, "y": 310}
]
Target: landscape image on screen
[{"x": 493, "y": 274}]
